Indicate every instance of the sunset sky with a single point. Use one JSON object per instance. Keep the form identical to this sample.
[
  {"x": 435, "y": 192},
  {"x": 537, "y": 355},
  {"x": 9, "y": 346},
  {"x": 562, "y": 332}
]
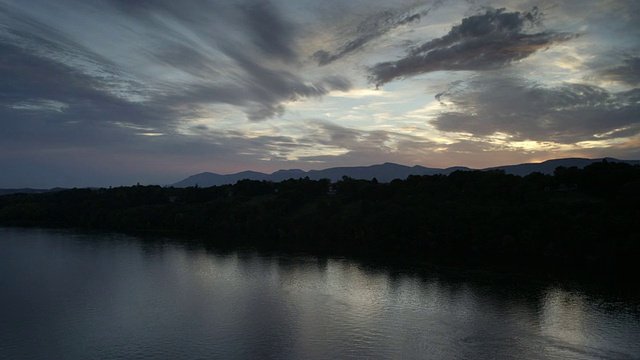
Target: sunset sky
[{"x": 116, "y": 92}]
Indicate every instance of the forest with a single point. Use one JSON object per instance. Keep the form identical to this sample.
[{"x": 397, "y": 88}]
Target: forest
[{"x": 574, "y": 221}]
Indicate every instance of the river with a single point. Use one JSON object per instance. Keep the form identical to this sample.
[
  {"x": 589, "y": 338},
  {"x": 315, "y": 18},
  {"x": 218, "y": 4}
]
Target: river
[{"x": 74, "y": 295}]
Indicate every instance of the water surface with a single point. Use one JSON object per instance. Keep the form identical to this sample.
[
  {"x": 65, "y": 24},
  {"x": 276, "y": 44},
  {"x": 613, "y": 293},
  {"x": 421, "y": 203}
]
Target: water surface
[{"x": 69, "y": 295}]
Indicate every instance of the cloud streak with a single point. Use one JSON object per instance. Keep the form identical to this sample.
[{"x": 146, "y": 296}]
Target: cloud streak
[
  {"x": 255, "y": 69},
  {"x": 270, "y": 32},
  {"x": 149, "y": 88},
  {"x": 566, "y": 114},
  {"x": 263, "y": 91},
  {"x": 481, "y": 42},
  {"x": 628, "y": 72},
  {"x": 373, "y": 27}
]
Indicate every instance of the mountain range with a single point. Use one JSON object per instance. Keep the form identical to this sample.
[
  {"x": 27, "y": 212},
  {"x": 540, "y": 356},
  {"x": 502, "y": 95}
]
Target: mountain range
[{"x": 382, "y": 172}]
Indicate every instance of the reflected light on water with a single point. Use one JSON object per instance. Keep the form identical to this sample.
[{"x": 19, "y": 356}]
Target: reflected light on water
[
  {"x": 103, "y": 296},
  {"x": 562, "y": 316}
]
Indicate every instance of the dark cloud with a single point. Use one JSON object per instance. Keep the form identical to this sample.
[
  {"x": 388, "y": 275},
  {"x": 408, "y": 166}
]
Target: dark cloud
[
  {"x": 41, "y": 60},
  {"x": 262, "y": 92},
  {"x": 373, "y": 27},
  {"x": 32, "y": 80},
  {"x": 486, "y": 41},
  {"x": 327, "y": 133},
  {"x": 357, "y": 147},
  {"x": 259, "y": 20},
  {"x": 193, "y": 13},
  {"x": 59, "y": 103},
  {"x": 363, "y": 145},
  {"x": 185, "y": 56},
  {"x": 377, "y": 26},
  {"x": 628, "y": 72},
  {"x": 85, "y": 87},
  {"x": 139, "y": 5},
  {"x": 57, "y": 119},
  {"x": 564, "y": 114},
  {"x": 246, "y": 78},
  {"x": 270, "y": 32},
  {"x": 253, "y": 77}
]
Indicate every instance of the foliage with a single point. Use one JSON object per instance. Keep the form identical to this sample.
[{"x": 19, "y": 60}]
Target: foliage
[{"x": 577, "y": 219}]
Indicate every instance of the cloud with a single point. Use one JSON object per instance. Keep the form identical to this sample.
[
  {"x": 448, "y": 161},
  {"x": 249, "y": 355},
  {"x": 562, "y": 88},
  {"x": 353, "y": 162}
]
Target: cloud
[
  {"x": 481, "y": 42},
  {"x": 38, "y": 94},
  {"x": 336, "y": 144},
  {"x": 252, "y": 65},
  {"x": 64, "y": 107},
  {"x": 269, "y": 31},
  {"x": 258, "y": 21},
  {"x": 262, "y": 91},
  {"x": 243, "y": 55},
  {"x": 185, "y": 56},
  {"x": 371, "y": 28},
  {"x": 565, "y": 114},
  {"x": 86, "y": 84},
  {"x": 628, "y": 72}
]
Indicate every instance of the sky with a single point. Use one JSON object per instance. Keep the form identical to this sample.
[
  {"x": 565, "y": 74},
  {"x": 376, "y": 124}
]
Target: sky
[{"x": 119, "y": 92}]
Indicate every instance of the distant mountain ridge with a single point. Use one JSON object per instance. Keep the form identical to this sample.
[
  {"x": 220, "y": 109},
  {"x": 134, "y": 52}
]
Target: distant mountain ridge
[
  {"x": 382, "y": 172},
  {"x": 27, "y": 191},
  {"x": 547, "y": 167}
]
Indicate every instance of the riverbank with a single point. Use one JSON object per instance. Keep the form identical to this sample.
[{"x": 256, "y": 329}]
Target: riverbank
[{"x": 578, "y": 222}]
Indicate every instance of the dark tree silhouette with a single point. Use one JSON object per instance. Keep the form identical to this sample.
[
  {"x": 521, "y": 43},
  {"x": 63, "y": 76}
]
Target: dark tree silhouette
[{"x": 579, "y": 220}]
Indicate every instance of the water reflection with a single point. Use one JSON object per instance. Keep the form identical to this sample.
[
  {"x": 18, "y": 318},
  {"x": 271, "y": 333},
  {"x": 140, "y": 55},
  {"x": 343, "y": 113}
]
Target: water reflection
[{"x": 78, "y": 296}]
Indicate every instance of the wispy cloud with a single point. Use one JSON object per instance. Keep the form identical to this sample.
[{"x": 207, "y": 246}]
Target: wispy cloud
[
  {"x": 628, "y": 72},
  {"x": 486, "y": 41},
  {"x": 154, "y": 87},
  {"x": 374, "y": 27},
  {"x": 565, "y": 114}
]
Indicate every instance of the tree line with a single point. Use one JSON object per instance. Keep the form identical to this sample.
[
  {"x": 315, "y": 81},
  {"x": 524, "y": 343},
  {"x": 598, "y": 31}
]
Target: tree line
[{"x": 574, "y": 220}]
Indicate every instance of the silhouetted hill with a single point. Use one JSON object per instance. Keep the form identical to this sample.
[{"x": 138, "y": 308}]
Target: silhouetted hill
[
  {"x": 281, "y": 175},
  {"x": 27, "y": 191},
  {"x": 581, "y": 220},
  {"x": 207, "y": 179},
  {"x": 547, "y": 167},
  {"x": 382, "y": 172}
]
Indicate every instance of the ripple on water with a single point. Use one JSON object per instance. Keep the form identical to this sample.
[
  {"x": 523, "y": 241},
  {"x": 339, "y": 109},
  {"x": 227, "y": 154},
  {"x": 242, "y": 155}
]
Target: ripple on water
[{"x": 89, "y": 297}]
